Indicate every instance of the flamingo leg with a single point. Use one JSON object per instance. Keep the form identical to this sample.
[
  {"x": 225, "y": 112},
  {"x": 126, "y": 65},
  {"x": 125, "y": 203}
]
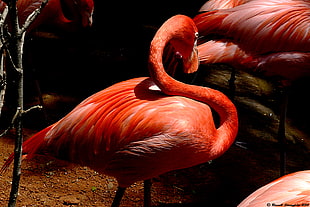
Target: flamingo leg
[
  {"x": 232, "y": 93},
  {"x": 147, "y": 193},
  {"x": 281, "y": 132},
  {"x": 118, "y": 197},
  {"x": 40, "y": 95},
  {"x": 232, "y": 86}
]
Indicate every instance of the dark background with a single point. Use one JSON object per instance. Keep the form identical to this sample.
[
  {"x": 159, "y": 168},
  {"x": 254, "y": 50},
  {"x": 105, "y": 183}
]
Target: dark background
[
  {"x": 81, "y": 63},
  {"x": 114, "y": 49}
]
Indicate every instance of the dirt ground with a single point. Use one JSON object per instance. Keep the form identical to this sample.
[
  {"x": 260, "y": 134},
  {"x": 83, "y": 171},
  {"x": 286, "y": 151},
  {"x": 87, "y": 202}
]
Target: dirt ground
[{"x": 223, "y": 182}]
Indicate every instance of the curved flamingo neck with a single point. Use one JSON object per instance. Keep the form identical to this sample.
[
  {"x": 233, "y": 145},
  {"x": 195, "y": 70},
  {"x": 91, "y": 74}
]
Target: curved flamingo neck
[{"x": 182, "y": 29}]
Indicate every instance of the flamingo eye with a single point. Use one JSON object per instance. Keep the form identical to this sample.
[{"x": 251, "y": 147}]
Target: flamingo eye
[
  {"x": 178, "y": 55},
  {"x": 196, "y": 40}
]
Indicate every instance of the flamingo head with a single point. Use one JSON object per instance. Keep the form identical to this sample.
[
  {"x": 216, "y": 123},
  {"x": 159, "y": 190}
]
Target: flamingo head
[
  {"x": 188, "y": 57},
  {"x": 181, "y": 50},
  {"x": 176, "y": 38},
  {"x": 86, "y": 11},
  {"x": 78, "y": 11}
]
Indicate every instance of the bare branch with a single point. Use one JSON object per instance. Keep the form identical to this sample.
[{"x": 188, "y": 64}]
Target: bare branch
[
  {"x": 32, "y": 108},
  {"x": 13, "y": 121},
  {"x": 2, "y": 69},
  {"x": 12, "y": 62},
  {"x": 15, "y": 54},
  {"x": 2, "y": 21},
  {"x": 2, "y": 80},
  {"x": 4, "y": 15},
  {"x": 32, "y": 17}
]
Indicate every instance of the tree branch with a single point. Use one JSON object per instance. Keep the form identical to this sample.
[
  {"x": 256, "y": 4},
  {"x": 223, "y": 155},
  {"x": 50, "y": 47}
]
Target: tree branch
[
  {"x": 32, "y": 17},
  {"x": 13, "y": 121},
  {"x": 2, "y": 54},
  {"x": 15, "y": 52}
]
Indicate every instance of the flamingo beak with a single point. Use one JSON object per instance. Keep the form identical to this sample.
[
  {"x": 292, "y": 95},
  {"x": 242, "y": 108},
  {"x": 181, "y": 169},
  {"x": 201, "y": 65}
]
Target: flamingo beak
[
  {"x": 87, "y": 19},
  {"x": 192, "y": 62}
]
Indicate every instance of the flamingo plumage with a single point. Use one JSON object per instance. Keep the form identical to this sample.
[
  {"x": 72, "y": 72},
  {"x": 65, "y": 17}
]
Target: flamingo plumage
[
  {"x": 271, "y": 37},
  {"x": 290, "y": 190},
  {"x": 67, "y": 15},
  {"x": 143, "y": 127},
  {"x": 221, "y": 4}
]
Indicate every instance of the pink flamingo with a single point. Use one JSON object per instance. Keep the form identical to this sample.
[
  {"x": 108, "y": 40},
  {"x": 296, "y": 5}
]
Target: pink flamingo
[
  {"x": 290, "y": 190},
  {"x": 143, "y": 127},
  {"x": 221, "y": 4},
  {"x": 270, "y": 37}
]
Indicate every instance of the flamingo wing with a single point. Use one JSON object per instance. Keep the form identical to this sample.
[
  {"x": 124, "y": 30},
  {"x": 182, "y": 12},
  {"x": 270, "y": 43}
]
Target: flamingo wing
[
  {"x": 221, "y": 51},
  {"x": 289, "y": 190},
  {"x": 288, "y": 65}
]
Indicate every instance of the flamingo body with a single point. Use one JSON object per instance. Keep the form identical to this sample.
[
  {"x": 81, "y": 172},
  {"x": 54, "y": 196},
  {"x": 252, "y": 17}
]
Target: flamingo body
[
  {"x": 221, "y": 4},
  {"x": 289, "y": 190},
  {"x": 144, "y": 127},
  {"x": 126, "y": 132},
  {"x": 267, "y": 36},
  {"x": 131, "y": 132},
  {"x": 68, "y": 15}
]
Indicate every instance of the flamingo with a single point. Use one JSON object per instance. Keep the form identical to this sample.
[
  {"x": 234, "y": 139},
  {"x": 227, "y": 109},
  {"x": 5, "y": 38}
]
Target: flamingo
[
  {"x": 289, "y": 190},
  {"x": 68, "y": 15},
  {"x": 266, "y": 36},
  {"x": 216, "y": 52},
  {"x": 221, "y": 4},
  {"x": 143, "y": 127},
  {"x": 270, "y": 37}
]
